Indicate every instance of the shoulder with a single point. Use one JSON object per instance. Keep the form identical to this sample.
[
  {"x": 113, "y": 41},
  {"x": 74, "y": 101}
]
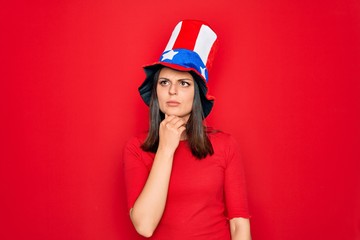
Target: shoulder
[
  {"x": 225, "y": 147},
  {"x": 137, "y": 139},
  {"x": 133, "y": 153},
  {"x": 133, "y": 144},
  {"x": 218, "y": 137},
  {"x": 224, "y": 144}
]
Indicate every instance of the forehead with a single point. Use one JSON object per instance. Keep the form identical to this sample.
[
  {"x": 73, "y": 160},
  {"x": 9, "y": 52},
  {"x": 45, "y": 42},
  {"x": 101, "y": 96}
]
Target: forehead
[{"x": 172, "y": 74}]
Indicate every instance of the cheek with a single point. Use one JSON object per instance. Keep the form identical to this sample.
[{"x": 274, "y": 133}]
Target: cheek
[
  {"x": 161, "y": 100},
  {"x": 190, "y": 100},
  {"x": 159, "y": 94}
]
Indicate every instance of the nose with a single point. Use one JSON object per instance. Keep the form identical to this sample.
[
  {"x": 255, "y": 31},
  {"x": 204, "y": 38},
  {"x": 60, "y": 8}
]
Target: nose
[{"x": 172, "y": 89}]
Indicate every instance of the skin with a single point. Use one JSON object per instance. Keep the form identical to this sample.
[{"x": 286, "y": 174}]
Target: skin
[
  {"x": 175, "y": 91},
  {"x": 240, "y": 229}
]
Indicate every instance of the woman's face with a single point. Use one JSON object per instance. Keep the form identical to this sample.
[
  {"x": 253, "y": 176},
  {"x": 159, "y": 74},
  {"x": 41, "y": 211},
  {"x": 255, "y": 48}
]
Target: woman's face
[{"x": 175, "y": 92}]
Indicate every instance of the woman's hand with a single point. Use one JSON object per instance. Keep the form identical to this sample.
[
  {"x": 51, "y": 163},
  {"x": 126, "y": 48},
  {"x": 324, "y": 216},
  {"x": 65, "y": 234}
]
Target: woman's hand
[
  {"x": 170, "y": 131},
  {"x": 150, "y": 204}
]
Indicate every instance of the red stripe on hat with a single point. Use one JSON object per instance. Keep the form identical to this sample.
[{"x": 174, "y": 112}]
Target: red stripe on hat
[{"x": 188, "y": 35}]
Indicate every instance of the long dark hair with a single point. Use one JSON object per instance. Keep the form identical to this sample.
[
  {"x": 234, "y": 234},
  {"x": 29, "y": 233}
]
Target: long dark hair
[{"x": 196, "y": 132}]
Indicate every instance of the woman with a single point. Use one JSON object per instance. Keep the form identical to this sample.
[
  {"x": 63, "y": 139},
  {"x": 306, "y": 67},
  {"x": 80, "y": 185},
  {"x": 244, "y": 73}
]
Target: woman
[{"x": 183, "y": 180}]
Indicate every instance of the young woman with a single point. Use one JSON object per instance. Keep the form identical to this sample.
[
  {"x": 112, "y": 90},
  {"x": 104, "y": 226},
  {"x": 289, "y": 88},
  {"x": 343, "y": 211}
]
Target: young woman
[{"x": 184, "y": 181}]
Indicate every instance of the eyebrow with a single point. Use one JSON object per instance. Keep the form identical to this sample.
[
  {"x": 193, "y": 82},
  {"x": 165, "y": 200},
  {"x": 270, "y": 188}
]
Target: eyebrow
[{"x": 180, "y": 79}]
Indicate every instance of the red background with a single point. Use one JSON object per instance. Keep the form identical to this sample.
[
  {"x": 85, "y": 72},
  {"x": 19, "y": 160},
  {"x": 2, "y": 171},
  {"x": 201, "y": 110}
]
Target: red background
[{"x": 286, "y": 78}]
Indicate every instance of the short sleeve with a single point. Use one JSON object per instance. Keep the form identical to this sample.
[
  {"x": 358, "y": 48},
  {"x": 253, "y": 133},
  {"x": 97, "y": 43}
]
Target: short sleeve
[
  {"x": 234, "y": 183},
  {"x": 135, "y": 170}
]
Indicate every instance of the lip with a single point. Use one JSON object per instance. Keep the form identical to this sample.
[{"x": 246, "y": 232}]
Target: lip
[{"x": 172, "y": 103}]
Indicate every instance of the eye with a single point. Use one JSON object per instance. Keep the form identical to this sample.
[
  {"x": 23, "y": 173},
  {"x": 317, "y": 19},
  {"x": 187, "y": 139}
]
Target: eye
[
  {"x": 184, "y": 83},
  {"x": 163, "y": 82}
]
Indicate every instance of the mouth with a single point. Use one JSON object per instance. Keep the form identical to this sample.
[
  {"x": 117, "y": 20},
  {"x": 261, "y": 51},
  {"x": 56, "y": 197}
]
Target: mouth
[{"x": 172, "y": 103}]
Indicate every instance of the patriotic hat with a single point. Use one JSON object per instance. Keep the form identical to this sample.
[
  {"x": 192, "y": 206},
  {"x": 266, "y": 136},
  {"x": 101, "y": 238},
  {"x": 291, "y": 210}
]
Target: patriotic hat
[{"x": 191, "y": 48}]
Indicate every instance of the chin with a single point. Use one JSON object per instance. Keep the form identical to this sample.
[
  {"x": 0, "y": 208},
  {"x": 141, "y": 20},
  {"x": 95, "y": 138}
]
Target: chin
[
  {"x": 177, "y": 113},
  {"x": 172, "y": 113}
]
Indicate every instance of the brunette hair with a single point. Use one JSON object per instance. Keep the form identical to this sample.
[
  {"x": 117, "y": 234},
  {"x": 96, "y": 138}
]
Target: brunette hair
[{"x": 196, "y": 132}]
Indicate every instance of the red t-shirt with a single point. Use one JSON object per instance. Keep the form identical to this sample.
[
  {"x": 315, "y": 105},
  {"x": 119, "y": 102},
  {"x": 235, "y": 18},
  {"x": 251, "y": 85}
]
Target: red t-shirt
[{"x": 203, "y": 194}]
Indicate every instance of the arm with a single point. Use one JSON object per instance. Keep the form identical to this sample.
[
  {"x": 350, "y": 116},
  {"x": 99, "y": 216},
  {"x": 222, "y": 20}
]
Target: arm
[
  {"x": 235, "y": 193},
  {"x": 149, "y": 206},
  {"x": 240, "y": 229}
]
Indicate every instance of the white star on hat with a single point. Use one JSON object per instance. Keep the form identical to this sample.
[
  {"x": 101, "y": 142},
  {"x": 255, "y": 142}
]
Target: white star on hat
[
  {"x": 169, "y": 55},
  {"x": 203, "y": 71}
]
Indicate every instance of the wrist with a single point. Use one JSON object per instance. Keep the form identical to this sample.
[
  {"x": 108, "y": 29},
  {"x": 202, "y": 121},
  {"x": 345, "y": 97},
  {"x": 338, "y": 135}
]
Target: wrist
[{"x": 166, "y": 152}]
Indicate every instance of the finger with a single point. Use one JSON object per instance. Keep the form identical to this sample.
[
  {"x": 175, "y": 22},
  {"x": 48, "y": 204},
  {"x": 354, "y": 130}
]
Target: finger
[
  {"x": 166, "y": 120},
  {"x": 175, "y": 119},
  {"x": 172, "y": 120},
  {"x": 169, "y": 118},
  {"x": 167, "y": 115},
  {"x": 180, "y": 122},
  {"x": 182, "y": 129},
  {"x": 175, "y": 124}
]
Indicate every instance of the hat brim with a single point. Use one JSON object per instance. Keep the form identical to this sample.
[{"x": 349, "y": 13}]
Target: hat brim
[{"x": 146, "y": 87}]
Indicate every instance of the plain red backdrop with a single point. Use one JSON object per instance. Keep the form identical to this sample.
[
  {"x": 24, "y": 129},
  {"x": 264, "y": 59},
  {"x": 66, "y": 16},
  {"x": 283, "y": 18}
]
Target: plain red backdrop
[{"x": 286, "y": 79}]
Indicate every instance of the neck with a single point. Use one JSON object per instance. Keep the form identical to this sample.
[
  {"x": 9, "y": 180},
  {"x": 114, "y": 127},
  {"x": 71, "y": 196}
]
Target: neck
[{"x": 183, "y": 136}]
